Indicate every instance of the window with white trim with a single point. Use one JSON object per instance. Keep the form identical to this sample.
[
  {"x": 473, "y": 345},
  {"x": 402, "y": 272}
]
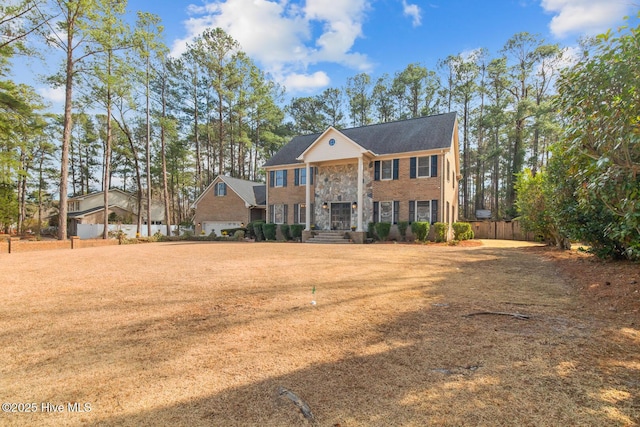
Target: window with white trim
[
  {"x": 386, "y": 167},
  {"x": 423, "y": 211},
  {"x": 424, "y": 166},
  {"x": 385, "y": 212},
  {"x": 278, "y": 214},
  {"x": 279, "y": 181},
  {"x": 221, "y": 189}
]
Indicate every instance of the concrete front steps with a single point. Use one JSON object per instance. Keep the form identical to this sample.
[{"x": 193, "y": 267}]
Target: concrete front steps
[{"x": 335, "y": 237}]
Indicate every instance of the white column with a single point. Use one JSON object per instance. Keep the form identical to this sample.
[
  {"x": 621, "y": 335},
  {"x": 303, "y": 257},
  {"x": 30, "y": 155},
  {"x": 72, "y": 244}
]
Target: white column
[
  {"x": 307, "y": 205},
  {"x": 360, "y": 192}
]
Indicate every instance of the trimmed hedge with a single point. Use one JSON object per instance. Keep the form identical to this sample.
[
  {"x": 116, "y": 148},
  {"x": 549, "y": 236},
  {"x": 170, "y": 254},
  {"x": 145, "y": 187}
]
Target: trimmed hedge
[
  {"x": 462, "y": 231},
  {"x": 420, "y": 230},
  {"x": 440, "y": 231},
  {"x": 257, "y": 233},
  {"x": 296, "y": 231},
  {"x": 269, "y": 231},
  {"x": 284, "y": 230},
  {"x": 382, "y": 230}
]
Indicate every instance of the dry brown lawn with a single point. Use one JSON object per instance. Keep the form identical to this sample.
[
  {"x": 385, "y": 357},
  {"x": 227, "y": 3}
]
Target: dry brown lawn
[{"x": 206, "y": 334}]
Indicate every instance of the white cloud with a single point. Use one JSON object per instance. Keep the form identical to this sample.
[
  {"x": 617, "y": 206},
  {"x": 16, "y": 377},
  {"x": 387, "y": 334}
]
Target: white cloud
[
  {"x": 584, "y": 16},
  {"x": 52, "y": 94},
  {"x": 306, "y": 82},
  {"x": 285, "y": 37},
  {"x": 413, "y": 11}
]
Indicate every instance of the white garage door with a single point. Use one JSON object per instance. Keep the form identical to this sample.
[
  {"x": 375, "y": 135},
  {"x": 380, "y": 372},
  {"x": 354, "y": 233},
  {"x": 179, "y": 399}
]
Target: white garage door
[{"x": 218, "y": 226}]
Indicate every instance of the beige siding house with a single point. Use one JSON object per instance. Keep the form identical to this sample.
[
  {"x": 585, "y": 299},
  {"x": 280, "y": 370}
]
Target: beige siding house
[
  {"x": 228, "y": 203},
  {"x": 344, "y": 179},
  {"x": 89, "y": 209}
]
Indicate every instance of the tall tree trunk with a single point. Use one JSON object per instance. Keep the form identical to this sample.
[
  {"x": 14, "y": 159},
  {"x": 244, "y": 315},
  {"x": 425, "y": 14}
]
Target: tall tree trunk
[
  {"x": 148, "y": 119},
  {"x": 106, "y": 178},
  {"x": 165, "y": 187},
  {"x": 66, "y": 139}
]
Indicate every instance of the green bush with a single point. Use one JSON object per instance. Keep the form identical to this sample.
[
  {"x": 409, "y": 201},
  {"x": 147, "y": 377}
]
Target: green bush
[
  {"x": 284, "y": 230},
  {"x": 296, "y": 230},
  {"x": 441, "y": 231},
  {"x": 258, "y": 233},
  {"x": 420, "y": 230},
  {"x": 402, "y": 229},
  {"x": 269, "y": 231},
  {"x": 371, "y": 234},
  {"x": 382, "y": 230},
  {"x": 239, "y": 235},
  {"x": 462, "y": 231}
]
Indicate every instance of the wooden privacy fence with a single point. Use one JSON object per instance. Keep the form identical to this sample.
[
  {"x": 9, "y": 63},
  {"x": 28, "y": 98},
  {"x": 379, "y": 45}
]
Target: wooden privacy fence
[{"x": 506, "y": 230}]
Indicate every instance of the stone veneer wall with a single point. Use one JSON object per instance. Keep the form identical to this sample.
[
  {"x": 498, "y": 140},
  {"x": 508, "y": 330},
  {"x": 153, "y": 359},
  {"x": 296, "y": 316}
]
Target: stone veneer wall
[{"x": 339, "y": 183}]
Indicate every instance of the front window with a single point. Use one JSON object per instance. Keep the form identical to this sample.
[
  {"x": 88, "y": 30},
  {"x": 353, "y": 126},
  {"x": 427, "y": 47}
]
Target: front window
[
  {"x": 221, "y": 189},
  {"x": 386, "y": 212},
  {"x": 278, "y": 214},
  {"x": 387, "y": 169},
  {"x": 423, "y": 211},
  {"x": 301, "y": 212},
  {"x": 279, "y": 178},
  {"x": 303, "y": 176},
  {"x": 423, "y": 166}
]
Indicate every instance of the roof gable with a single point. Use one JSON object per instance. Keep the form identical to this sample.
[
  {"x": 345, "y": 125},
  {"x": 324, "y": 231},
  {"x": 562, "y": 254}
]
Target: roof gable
[
  {"x": 419, "y": 134},
  {"x": 248, "y": 191},
  {"x": 331, "y": 145}
]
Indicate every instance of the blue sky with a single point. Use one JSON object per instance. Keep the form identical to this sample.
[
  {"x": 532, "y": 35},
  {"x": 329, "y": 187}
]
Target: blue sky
[{"x": 310, "y": 45}]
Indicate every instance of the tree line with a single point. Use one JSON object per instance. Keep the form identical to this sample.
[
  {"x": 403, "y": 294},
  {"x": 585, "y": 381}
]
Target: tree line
[{"x": 166, "y": 126}]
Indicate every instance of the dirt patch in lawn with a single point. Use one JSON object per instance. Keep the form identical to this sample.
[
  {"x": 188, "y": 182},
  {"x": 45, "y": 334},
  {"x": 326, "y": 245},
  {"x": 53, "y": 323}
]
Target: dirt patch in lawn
[{"x": 226, "y": 334}]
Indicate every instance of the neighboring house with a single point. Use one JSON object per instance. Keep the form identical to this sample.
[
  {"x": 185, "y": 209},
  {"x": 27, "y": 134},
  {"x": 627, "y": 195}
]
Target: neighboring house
[
  {"x": 228, "y": 203},
  {"x": 89, "y": 209},
  {"x": 339, "y": 179}
]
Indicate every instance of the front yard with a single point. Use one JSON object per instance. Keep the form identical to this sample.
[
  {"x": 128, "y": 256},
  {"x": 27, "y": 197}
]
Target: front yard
[{"x": 192, "y": 333}]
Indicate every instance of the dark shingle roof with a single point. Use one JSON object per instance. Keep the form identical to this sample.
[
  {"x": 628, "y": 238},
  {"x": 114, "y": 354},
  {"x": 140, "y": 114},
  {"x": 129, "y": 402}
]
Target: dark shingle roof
[
  {"x": 424, "y": 133},
  {"x": 260, "y": 192}
]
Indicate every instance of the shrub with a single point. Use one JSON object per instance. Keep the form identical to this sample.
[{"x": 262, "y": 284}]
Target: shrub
[
  {"x": 296, "y": 230},
  {"x": 284, "y": 230},
  {"x": 402, "y": 229},
  {"x": 232, "y": 231},
  {"x": 269, "y": 231},
  {"x": 420, "y": 230},
  {"x": 258, "y": 233},
  {"x": 371, "y": 230},
  {"x": 238, "y": 235},
  {"x": 441, "y": 231},
  {"x": 462, "y": 231},
  {"x": 382, "y": 230}
]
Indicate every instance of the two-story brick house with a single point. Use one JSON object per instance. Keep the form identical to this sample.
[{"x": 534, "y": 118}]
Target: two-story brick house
[{"x": 344, "y": 179}]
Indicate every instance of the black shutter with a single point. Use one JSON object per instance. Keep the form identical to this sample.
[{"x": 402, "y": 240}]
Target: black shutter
[
  {"x": 396, "y": 209},
  {"x": 396, "y": 168},
  {"x": 224, "y": 189},
  {"x": 296, "y": 213},
  {"x": 375, "y": 211},
  {"x": 434, "y": 211},
  {"x": 412, "y": 167},
  {"x": 272, "y": 178},
  {"x": 285, "y": 220},
  {"x": 296, "y": 176},
  {"x": 284, "y": 178},
  {"x": 312, "y": 220},
  {"x": 270, "y": 213},
  {"x": 434, "y": 166},
  {"x": 311, "y": 170},
  {"x": 376, "y": 170},
  {"x": 215, "y": 190},
  {"x": 412, "y": 210}
]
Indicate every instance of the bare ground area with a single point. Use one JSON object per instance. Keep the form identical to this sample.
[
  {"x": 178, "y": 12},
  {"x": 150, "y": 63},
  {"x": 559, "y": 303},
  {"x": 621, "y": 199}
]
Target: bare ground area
[{"x": 209, "y": 334}]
